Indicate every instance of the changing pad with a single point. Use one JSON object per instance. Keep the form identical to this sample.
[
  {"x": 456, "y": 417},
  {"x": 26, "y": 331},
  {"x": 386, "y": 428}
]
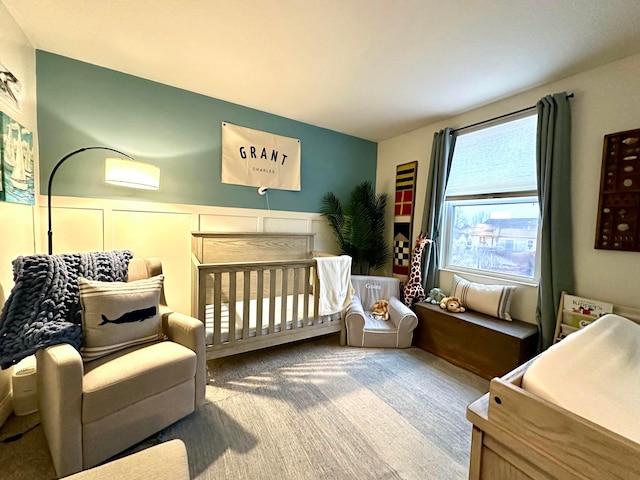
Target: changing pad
[{"x": 594, "y": 373}]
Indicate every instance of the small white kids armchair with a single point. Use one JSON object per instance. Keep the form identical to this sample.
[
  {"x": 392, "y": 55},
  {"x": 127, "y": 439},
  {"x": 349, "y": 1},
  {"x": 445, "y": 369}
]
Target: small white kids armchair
[{"x": 363, "y": 330}]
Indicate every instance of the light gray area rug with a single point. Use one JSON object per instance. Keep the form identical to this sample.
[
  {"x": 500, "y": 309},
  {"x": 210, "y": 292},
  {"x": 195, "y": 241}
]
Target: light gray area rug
[{"x": 316, "y": 410}]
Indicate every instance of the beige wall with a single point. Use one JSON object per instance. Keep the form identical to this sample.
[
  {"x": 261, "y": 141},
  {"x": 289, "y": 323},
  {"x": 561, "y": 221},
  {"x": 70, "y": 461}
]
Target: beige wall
[
  {"x": 16, "y": 221},
  {"x": 606, "y": 101}
]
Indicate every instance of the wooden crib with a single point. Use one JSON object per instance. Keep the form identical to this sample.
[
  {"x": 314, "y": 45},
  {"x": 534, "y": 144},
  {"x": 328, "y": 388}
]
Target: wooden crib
[{"x": 265, "y": 282}]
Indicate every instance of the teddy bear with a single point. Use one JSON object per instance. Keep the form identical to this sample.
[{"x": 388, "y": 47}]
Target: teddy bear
[
  {"x": 452, "y": 304},
  {"x": 435, "y": 295},
  {"x": 381, "y": 310}
]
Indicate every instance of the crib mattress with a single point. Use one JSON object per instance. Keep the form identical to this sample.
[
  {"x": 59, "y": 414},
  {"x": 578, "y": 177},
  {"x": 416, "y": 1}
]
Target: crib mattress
[
  {"x": 239, "y": 320},
  {"x": 594, "y": 373}
]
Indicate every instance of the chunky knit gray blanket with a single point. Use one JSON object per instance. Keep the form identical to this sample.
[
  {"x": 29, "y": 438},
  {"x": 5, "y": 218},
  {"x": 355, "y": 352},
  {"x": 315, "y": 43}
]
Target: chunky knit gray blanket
[{"x": 43, "y": 308}]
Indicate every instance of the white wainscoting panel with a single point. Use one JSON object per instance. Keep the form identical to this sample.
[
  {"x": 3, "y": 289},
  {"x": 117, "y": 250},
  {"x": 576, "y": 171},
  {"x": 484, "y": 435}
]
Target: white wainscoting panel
[
  {"x": 285, "y": 224},
  {"x": 164, "y": 235},
  {"x": 16, "y": 239},
  {"x": 74, "y": 229},
  {"x": 228, "y": 223}
]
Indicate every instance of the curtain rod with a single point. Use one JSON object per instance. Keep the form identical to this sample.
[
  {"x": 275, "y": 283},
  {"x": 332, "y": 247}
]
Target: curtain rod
[{"x": 569, "y": 95}]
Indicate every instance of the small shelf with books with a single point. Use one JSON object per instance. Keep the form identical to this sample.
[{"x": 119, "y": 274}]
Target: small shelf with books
[{"x": 576, "y": 312}]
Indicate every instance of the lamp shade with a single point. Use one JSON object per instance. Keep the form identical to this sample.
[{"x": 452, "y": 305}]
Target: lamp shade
[{"x": 132, "y": 174}]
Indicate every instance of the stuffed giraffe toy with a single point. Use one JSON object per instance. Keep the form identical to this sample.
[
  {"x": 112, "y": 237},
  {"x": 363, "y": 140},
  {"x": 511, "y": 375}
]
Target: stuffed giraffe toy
[{"x": 413, "y": 290}]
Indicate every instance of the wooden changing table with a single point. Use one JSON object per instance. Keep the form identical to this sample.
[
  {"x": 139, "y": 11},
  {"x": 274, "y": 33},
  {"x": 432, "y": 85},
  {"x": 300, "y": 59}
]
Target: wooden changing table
[{"x": 519, "y": 436}]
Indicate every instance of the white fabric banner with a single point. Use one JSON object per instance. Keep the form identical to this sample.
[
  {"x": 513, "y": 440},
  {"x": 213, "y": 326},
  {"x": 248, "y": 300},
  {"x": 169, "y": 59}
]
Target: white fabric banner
[{"x": 259, "y": 159}]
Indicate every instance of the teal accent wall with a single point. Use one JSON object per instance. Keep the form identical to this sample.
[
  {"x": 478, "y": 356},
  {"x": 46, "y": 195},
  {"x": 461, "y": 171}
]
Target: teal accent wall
[{"x": 81, "y": 105}]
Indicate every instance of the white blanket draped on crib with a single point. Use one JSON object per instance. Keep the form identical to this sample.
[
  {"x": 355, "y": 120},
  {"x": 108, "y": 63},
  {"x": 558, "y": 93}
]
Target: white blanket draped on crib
[{"x": 334, "y": 277}]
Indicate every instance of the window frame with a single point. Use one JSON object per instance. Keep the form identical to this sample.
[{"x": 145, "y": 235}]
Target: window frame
[{"x": 450, "y": 202}]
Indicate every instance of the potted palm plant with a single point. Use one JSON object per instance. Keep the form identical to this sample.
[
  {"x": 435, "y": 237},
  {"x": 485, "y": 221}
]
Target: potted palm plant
[{"x": 359, "y": 227}]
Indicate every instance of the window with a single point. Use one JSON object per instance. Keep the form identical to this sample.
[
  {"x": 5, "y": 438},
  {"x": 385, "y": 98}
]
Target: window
[{"x": 491, "y": 205}]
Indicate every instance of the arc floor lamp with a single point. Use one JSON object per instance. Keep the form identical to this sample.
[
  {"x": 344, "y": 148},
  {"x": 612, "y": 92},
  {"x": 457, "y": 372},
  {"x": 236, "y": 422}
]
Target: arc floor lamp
[{"x": 118, "y": 171}]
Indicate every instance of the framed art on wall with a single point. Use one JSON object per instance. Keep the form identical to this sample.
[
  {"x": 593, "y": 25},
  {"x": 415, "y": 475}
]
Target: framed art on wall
[
  {"x": 16, "y": 162},
  {"x": 403, "y": 218},
  {"x": 10, "y": 88},
  {"x": 618, "y": 225}
]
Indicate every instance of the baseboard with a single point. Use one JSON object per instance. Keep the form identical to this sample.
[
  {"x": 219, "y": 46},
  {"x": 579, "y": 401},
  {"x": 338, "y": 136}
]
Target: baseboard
[{"x": 5, "y": 408}]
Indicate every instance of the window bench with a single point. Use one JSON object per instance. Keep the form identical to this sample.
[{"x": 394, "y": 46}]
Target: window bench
[{"x": 476, "y": 342}]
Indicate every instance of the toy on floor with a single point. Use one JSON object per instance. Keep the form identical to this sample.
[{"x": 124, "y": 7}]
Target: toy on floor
[
  {"x": 435, "y": 296},
  {"x": 381, "y": 310},
  {"x": 452, "y": 304}
]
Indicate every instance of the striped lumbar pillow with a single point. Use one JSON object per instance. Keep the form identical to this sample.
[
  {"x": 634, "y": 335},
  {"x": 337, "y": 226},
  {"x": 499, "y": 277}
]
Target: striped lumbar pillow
[
  {"x": 117, "y": 315},
  {"x": 494, "y": 300}
]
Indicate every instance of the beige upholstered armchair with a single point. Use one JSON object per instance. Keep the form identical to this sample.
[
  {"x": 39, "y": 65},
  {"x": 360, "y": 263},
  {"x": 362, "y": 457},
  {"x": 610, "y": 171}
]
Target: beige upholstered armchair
[
  {"x": 95, "y": 409},
  {"x": 363, "y": 329}
]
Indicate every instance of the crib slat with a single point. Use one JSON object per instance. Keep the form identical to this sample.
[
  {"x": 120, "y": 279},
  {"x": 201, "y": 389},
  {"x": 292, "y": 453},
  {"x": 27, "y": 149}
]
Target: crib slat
[
  {"x": 217, "y": 308},
  {"x": 294, "y": 312},
  {"x": 307, "y": 291},
  {"x": 316, "y": 297},
  {"x": 272, "y": 301},
  {"x": 283, "y": 299},
  {"x": 246, "y": 304},
  {"x": 231, "y": 337},
  {"x": 259, "y": 300}
]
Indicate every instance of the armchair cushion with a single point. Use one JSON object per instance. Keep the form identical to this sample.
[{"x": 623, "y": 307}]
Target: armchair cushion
[
  {"x": 375, "y": 324},
  {"x": 117, "y": 315},
  {"x": 126, "y": 377}
]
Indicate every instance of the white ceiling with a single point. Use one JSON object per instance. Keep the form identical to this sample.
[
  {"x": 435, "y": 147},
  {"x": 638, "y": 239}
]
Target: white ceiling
[{"x": 369, "y": 68}]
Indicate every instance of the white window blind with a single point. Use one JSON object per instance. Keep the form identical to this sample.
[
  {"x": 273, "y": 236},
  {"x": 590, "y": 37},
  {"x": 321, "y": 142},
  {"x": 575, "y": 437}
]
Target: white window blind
[{"x": 497, "y": 159}]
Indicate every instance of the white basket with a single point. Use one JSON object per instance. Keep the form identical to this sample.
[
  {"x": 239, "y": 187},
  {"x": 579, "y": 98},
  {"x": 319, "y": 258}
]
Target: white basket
[{"x": 25, "y": 394}]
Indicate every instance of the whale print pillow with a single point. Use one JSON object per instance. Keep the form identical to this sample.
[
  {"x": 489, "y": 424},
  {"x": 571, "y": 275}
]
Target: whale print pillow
[{"x": 117, "y": 315}]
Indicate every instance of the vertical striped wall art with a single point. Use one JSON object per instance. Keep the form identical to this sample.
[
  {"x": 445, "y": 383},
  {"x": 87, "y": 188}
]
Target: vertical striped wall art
[{"x": 403, "y": 218}]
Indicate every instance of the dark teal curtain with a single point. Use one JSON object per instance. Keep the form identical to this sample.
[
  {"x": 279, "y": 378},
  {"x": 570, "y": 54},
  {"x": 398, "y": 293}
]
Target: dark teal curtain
[
  {"x": 441, "y": 155},
  {"x": 553, "y": 163}
]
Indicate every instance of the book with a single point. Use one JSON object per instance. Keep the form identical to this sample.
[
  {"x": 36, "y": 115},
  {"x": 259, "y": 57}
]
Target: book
[
  {"x": 565, "y": 330},
  {"x": 580, "y": 312}
]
